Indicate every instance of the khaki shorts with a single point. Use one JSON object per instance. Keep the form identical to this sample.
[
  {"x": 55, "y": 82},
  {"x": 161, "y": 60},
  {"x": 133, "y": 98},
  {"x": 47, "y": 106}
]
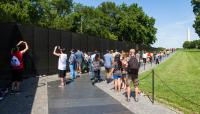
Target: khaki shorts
[
  {"x": 108, "y": 70},
  {"x": 134, "y": 78}
]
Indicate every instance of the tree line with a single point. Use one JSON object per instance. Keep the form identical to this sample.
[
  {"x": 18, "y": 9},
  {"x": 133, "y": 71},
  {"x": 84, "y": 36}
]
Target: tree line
[
  {"x": 192, "y": 44},
  {"x": 107, "y": 20}
]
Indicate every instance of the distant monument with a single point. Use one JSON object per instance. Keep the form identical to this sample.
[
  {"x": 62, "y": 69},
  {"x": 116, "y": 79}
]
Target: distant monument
[{"x": 188, "y": 34}]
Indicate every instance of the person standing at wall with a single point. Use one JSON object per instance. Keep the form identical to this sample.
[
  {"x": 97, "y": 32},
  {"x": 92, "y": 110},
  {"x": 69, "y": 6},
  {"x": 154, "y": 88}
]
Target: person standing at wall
[
  {"x": 72, "y": 65},
  {"x": 62, "y": 64},
  {"x": 17, "y": 66},
  {"x": 108, "y": 64},
  {"x": 79, "y": 57}
]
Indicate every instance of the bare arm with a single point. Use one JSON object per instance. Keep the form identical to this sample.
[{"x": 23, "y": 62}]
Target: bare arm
[
  {"x": 26, "y": 47},
  {"x": 54, "y": 52},
  {"x": 113, "y": 64},
  {"x": 19, "y": 43}
]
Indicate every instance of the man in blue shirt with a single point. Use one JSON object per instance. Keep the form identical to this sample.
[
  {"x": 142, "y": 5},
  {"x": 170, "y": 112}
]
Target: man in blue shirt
[
  {"x": 79, "y": 58},
  {"x": 108, "y": 65},
  {"x": 72, "y": 65}
]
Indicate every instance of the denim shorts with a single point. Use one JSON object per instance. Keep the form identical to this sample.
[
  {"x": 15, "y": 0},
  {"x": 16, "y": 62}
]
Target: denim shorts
[{"x": 116, "y": 77}]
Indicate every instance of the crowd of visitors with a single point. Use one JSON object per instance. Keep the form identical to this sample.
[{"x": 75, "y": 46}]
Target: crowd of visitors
[{"x": 121, "y": 68}]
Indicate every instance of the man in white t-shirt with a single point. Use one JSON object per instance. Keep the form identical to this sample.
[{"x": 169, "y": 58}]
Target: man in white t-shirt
[
  {"x": 62, "y": 64},
  {"x": 144, "y": 56}
]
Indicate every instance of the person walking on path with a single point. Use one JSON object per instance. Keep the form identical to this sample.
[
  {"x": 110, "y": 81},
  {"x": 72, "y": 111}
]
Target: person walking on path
[
  {"x": 72, "y": 65},
  {"x": 132, "y": 68},
  {"x": 138, "y": 56},
  {"x": 157, "y": 58},
  {"x": 144, "y": 56},
  {"x": 108, "y": 64},
  {"x": 62, "y": 64},
  {"x": 91, "y": 73},
  {"x": 96, "y": 68},
  {"x": 17, "y": 66},
  {"x": 79, "y": 57}
]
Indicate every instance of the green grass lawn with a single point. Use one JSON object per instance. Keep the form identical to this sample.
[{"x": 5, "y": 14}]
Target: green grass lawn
[{"x": 181, "y": 72}]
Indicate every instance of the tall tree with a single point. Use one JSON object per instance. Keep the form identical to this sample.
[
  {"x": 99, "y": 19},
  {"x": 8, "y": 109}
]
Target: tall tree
[
  {"x": 196, "y": 10},
  {"x": 108, "y": 20},
  {"x": 63, "y": 7}
]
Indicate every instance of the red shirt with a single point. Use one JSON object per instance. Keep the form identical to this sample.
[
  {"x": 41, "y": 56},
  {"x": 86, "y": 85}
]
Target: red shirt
[{"x": 19, "y": 56}]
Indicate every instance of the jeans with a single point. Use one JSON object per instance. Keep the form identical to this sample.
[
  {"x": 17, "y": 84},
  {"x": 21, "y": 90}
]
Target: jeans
[
  {"x": 72, "y": 68},
  {"x": 97, "y": 75},
  {"x": 91, "y": 72}
]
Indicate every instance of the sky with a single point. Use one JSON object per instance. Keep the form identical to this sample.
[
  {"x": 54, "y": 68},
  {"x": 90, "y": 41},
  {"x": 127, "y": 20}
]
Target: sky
[{"x": 173, "y": 17}]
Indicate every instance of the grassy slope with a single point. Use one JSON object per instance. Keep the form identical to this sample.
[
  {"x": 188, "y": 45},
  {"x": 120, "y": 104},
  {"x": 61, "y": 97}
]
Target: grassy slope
[{"x": 182, "y": 73}]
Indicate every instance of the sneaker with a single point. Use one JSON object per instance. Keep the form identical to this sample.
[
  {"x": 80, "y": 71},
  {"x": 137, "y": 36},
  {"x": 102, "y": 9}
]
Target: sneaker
[
  {"x": 93, "y": 82},
  {"x": 128, "y": 99},
  {"x": 108, "y": 81},
  {"x": 91, "y": 78},
  {"x": 136, "y": 99}
]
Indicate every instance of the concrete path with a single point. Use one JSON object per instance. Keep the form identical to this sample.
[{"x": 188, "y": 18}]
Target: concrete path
[
  {"x": 41, "y": 95},
  {"x": 81, "y": 97},
  {"x": 144, "y": 106}
]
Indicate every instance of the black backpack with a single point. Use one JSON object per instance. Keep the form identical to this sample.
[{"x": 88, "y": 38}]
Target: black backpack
[{"x": 133, "y": 63}]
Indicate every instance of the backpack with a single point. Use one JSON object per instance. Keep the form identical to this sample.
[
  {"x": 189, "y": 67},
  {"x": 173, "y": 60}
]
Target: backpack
[
  {"x": 133, "y": 63},
  {"x": 15, "y": 61},
  {"x": 72, "y": 59}
]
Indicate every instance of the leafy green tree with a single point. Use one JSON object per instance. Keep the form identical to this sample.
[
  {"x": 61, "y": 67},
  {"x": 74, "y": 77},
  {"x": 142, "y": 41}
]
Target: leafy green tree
[
  {"x": 196, "y": 10},
  {"x": 108, "y": 20},
  {"x": 186, "y": 45},
  {"x": 62, "y": 7},
  {"x": 192, "y": 44},
  {"x": 136, "y": 26}
]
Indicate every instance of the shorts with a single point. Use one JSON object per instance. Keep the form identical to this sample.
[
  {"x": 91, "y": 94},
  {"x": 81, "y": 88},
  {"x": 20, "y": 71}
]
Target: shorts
[
  {"x": 17, "y": 75},
  {"x": 144, "y": 60},
  {"x": 116, "y": 77},
  {"x": 134, "y": 78},
  {"x": 108, "y": 70},
  {"x": 79, "y": 62},
  {"x": 61, "y": 73},
  {"x": 124, "y": 75}
]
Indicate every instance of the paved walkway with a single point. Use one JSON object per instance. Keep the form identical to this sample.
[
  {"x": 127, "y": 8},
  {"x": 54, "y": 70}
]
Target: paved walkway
[
  {"x": 41, "y": 95},
  {"x": 81, "y": 97},
  {"x": 144, "y": 106}
]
